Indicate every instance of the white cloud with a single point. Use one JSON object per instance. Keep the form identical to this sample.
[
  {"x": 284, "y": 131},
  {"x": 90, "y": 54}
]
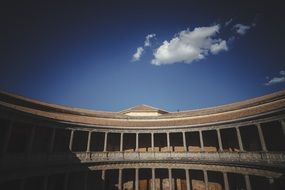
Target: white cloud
[
  {"x": 147, "y": 41},
  {"x": 138, "y": 54},
  {"x": 275, "y": 80},
  {"x": 217, "y": 47},
  {"x": 241, "y": 28},
  {"x": 188, "y": 46},
  {"x": 140, "y": 50}
]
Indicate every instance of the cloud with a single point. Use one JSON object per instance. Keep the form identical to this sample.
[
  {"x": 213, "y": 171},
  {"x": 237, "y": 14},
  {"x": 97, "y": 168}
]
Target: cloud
[
  {"x": 140, "y": 50},
  {"x": 138, "y": 54},
  {"x": 188, "y": 46},
  {"x": 217, "y": 47},
  {"x": 242, "y": 29},
  {"x": 228, "y": 22},
  {"x": 147, "y": 41},
  {"x": 275, "y": 80}
]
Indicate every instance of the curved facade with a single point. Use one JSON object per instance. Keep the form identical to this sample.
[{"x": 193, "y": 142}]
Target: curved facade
[{"x": 235, "y": 146}]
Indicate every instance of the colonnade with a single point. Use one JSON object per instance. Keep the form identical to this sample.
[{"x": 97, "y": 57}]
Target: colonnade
[
  {"x": 149, "y": 179},
  {"x": 77, "y": 140},
  {"x": 177, "y": 141},
  {"x": 184, "y": 145}
]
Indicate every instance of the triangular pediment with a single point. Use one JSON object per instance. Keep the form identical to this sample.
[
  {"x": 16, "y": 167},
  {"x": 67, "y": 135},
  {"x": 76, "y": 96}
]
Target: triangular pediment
[{"x": 143, "y": 110}]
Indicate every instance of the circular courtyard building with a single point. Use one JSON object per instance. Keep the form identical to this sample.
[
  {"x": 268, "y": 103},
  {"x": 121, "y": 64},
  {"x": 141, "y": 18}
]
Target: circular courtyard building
[{"x": 231, "y": 147}]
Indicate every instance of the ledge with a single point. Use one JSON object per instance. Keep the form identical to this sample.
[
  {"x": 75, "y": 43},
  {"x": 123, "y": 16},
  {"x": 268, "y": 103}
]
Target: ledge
[{"x": 246, "y": 159}]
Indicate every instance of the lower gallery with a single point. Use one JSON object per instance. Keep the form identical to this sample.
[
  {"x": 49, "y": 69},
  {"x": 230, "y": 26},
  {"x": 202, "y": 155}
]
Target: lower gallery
[{"x": 231, "y": 147}]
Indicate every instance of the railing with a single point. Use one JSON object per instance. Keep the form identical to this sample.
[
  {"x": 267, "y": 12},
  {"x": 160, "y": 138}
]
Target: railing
[
  {"x": 271, "y": 158},
  {"x": 237, "y": 158}
]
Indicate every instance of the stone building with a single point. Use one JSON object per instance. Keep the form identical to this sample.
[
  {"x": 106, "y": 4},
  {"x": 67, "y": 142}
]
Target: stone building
[{"x": 231, "y": 147}]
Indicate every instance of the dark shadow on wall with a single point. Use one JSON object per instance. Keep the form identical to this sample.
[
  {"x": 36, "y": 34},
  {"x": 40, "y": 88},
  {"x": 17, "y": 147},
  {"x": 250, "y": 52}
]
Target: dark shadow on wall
[{"x": 35, "y": 155}]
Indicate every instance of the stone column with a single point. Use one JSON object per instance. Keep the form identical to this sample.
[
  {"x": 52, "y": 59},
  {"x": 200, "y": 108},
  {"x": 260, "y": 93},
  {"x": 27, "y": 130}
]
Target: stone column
[
  {"x": 184, "y": 141},
  {"x": 88, "y": 154},
  {"x": 45, "y": 183},
  {"x": 226, "y": 181},
  {"x": 220, "y": 140},
  {"x": 121, "y": 142},
  {"x": 152, "y": 141},
  {"x": 206, "y": 179},
  {"x": 88, "y": 142},
  {"x": 7, "y": 138},
  {"x": 170, "y": 178},
  {"x": 71, "y": 140},
  {"x": 31, "y": 140},
  {"x": 105, "y": 141},
  {"x": 51, "y": 141},
  {"x": 65, "y": 182},
  {"x": 137, "y": 142},
  {"x": 152, "y": 178},
  {"x": 103, "y": 177},
  {"x": 201, "y": 140},
  {"x": 283, "y": 126},
  {"x": 271, "y": 183},
  {"x": 239, "y": 139},
  {"x": 120, "y": 180},
  {"x": 188, "y": 186},
  {"x": 247, "y": 182},
  {"x": 261, "y": 137},
  {"x": 168, "y": 141},
  {"x": 137, "y": 179}
]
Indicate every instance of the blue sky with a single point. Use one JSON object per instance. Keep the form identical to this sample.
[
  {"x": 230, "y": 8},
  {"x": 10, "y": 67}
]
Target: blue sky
[{"x": 81, "y": 55}]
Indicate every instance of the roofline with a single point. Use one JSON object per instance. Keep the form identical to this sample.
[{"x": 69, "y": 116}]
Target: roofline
[
  {"x": 154, "y": 109},
  {"x": 250, "y": 107}
]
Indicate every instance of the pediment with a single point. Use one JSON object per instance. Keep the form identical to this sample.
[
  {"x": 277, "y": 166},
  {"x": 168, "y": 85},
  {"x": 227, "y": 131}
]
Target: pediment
[{"x": 143, "y": 110}]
